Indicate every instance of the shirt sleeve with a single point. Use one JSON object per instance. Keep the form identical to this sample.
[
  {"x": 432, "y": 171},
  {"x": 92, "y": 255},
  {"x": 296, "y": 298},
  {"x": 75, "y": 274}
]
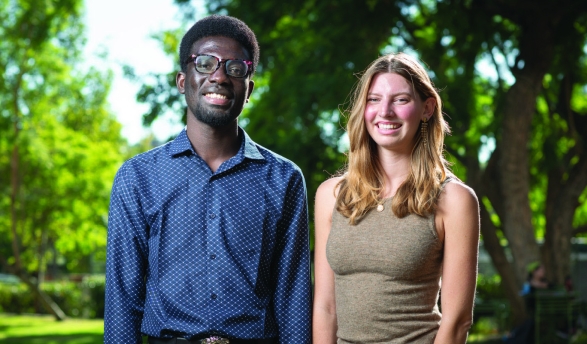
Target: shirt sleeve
[
  {"x": 126, "y": 262},
  {"x": 293, "y": 296}
]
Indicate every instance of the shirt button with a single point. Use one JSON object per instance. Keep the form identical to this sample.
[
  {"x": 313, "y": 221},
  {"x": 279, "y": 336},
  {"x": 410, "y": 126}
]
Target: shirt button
[
  {"x": 212, "y": 256},
  {"x": 213, "y": 296},
  {"x": 212, "y": 216}
]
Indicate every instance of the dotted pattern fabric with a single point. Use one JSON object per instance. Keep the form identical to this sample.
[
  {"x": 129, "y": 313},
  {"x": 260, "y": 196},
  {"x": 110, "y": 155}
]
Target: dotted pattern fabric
[{"x": 193, "y": 253}]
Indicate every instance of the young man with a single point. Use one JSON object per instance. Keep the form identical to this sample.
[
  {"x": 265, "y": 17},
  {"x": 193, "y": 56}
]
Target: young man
[{"x": 208, "y": 234}]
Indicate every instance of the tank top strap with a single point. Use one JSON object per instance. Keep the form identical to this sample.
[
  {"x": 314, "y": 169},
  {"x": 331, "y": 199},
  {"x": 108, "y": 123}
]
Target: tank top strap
[{"x": 447, "y": 180}]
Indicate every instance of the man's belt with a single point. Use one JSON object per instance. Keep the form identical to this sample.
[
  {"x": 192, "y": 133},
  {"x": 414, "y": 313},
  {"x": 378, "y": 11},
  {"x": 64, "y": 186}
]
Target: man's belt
[{"x": 209, "y": 340}]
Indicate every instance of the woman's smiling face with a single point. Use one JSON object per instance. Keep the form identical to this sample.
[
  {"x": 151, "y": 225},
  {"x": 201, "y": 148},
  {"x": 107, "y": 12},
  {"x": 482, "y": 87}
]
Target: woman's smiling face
[{"x": 393, "y": 112}]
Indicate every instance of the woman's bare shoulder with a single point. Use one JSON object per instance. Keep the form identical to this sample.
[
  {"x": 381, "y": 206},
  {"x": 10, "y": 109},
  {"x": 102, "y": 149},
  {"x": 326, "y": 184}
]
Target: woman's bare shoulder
[
  {"x": 457, "y": 191},
  {"x": 330, "y": 186},
  {"x": 458, "y": 202},
  {"x": 326, "y": 194}
]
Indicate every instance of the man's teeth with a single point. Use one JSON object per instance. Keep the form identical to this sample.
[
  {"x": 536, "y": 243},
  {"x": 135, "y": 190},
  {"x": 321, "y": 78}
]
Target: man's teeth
[
  {"x": 216, "y": 95},
  {"x": 389, "y": 126}
]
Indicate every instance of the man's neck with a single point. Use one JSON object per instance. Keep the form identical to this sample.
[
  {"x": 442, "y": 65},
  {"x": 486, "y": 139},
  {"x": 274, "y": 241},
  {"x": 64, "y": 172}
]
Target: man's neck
[{"x": 214, "y": 145}]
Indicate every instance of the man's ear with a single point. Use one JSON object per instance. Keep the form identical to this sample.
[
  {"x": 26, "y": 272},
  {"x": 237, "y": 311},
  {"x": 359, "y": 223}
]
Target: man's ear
[
  {"x": 251, "y": 87},
  {"x": 180, "y": 82}
]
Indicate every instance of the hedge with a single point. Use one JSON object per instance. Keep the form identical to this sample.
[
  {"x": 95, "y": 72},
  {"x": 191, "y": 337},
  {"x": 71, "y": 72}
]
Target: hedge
[{"x": 83, "y": 299}]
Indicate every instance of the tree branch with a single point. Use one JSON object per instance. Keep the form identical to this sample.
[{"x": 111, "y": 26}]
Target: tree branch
[{"x": 504, "y": 268}]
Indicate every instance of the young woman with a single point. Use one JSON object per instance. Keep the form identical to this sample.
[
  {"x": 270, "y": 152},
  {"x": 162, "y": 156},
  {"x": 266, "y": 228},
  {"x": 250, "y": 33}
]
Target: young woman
[{"x": 397, "y": 230}]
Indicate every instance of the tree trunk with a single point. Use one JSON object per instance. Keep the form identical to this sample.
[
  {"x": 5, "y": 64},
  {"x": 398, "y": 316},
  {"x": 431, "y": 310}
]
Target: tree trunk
[
  {"x": 518, "y": 111},
  {"x": 564, "y": 191},
  {"x": 18, "y": 268},
  {"x": 509, "y": 282},
  {"x": 514, "y": 171},
  {"x": 486, "y": 184},
  {"x": 14, "y": 179},
  {"x": 48, "y": 304},
  {"x": 562, "y": 202}
]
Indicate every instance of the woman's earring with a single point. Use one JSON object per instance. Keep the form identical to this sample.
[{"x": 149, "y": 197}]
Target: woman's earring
[{"x": 425, "y": 130}]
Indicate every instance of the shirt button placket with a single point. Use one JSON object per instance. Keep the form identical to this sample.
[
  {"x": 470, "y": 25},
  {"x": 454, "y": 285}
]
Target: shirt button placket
[{"x": 213, "y": 246}]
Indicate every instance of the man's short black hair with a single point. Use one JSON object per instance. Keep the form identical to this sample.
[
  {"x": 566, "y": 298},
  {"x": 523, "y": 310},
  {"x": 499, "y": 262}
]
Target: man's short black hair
[{"x": 218, "y": 25}]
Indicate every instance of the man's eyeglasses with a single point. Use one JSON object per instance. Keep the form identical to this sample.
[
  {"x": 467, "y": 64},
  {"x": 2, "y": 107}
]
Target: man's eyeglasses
[{"x": 208, "y": 64}]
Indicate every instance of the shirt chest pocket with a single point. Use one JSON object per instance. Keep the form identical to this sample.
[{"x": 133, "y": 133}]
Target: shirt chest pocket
[{"x": 250, "y": 236}]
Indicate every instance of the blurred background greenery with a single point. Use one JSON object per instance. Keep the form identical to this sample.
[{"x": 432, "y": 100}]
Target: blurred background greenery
[{"x": 512, "y": 75}]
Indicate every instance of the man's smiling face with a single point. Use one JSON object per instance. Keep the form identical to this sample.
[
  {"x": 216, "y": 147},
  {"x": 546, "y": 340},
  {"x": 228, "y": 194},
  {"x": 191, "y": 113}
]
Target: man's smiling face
[{"x": 215, "y": 99}]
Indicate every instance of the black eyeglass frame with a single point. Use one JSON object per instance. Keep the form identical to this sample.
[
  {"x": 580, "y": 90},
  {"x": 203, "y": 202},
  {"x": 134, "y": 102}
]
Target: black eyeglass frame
[{"x": 220, "y": 61}]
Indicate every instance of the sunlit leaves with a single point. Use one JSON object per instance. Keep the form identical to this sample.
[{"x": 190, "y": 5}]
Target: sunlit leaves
[
  {"x": 579, "y": 99},
  {"x": 66, "y": 142},
  {"x": 580, "y": 218}
]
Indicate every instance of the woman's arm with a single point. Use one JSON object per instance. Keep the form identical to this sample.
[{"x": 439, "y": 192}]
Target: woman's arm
[
  {"x": 457, "y": 219},
  {"x": 324, "y": 312}
]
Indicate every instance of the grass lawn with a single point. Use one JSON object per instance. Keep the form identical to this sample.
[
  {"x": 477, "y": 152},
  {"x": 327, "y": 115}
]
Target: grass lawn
[{"x": 41, "y": 329}]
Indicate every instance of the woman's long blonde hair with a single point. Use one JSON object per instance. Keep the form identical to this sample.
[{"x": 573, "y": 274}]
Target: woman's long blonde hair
[{"x": 361, "y": 187}]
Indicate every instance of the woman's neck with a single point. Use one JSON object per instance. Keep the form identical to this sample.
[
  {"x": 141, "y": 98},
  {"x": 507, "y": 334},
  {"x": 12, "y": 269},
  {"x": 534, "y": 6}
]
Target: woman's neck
[{"x": 395, "y": 168}]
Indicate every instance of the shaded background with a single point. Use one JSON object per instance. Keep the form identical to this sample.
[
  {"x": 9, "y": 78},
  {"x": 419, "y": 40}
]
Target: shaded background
[{"x": 512, "y": 75}]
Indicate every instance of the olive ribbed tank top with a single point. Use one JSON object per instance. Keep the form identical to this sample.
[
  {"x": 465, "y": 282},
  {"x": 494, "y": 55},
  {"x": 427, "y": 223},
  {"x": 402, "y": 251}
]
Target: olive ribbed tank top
[{"x": 387, "y": 277}]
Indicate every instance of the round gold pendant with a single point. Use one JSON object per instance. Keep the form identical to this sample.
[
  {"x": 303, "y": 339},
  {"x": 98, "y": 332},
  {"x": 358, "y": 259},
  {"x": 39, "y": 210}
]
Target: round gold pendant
[{"x": 380, "y": 207}]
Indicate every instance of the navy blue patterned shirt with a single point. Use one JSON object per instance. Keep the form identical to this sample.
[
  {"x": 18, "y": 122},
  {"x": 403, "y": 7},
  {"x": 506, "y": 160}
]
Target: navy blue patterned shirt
[{"x": 193, "y": 253}]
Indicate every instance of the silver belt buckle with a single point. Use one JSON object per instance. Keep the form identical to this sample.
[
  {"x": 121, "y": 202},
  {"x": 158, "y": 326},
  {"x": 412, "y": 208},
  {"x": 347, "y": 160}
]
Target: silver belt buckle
[{"x": 214, "y": 340}]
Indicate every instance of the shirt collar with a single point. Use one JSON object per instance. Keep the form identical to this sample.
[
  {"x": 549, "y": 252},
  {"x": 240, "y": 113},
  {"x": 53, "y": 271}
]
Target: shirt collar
[{"x": 248, "y": 149}]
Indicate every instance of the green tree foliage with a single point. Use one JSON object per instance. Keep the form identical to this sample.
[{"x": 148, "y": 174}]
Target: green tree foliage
[
  {"x": 513, "y": 77},
  {"x": 59, "y": 144}
]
